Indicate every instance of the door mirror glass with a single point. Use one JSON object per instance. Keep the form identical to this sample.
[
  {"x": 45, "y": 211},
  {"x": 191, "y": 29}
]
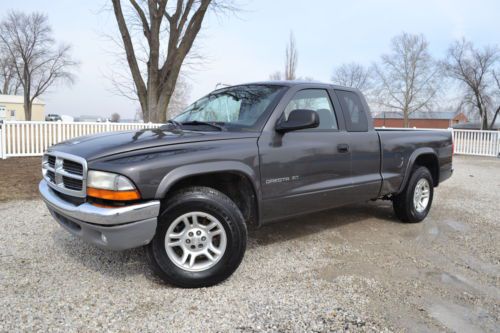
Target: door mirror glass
[{"x": 297, "y": 120}]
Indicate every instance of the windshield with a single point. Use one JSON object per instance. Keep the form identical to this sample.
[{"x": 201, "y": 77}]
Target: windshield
[{"x": 236, "y": 108}]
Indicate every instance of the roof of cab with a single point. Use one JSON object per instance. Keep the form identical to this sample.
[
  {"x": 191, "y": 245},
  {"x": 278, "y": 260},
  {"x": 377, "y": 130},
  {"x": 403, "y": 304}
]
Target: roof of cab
[{"x": 315, "y": 84}]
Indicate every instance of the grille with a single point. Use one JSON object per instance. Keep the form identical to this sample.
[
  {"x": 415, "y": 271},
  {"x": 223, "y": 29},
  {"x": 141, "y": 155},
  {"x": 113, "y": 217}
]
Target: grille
[
  {"x": 65, "y": 173},
  {"x": 51, "y": 176},
  {"x": 72, "y": 167},
  {"x": 52, "y": 161},
  {"x": 72, "y": 184}
]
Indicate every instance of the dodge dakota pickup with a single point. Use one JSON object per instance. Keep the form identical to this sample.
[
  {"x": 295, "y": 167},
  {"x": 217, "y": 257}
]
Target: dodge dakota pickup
[{"x": 240, "y": 157}]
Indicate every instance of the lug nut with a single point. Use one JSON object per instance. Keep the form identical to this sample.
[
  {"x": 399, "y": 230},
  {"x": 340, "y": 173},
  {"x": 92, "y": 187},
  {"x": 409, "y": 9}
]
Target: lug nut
[
  {"x": 200, "y": 246},
  {"x": 203, "y": 238},
  {"x": 190, "y": 234},
  {"x": 198, "y": 233},
  {"x": 188, "y": 241},
  {"x": 193, "y": 247}
]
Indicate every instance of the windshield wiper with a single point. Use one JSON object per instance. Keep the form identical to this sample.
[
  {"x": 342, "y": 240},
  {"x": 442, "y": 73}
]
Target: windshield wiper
[
  {"x": 176, "y": 124},
  {"x": 203, "y": 123}
]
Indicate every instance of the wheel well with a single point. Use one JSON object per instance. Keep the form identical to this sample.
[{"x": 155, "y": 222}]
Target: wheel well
[
  {"x": 430, "y": 162},
  {"x": 235, "y": 185}
]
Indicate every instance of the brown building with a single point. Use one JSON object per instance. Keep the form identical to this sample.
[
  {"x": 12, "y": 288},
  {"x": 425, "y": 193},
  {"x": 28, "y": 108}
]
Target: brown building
[{"x": 419, "y": 119}]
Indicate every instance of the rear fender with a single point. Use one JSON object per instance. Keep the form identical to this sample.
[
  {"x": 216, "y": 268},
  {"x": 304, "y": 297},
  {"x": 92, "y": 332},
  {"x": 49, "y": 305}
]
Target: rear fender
[{"x": 411, "y": 164}]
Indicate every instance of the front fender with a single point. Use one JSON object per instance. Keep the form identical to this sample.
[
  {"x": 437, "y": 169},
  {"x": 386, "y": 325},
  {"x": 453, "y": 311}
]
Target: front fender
[{"x": 179, "y": 173}]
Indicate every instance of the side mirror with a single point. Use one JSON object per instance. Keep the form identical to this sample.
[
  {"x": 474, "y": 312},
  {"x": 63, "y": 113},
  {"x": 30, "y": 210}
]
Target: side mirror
[{"x": 297, "y": 120}]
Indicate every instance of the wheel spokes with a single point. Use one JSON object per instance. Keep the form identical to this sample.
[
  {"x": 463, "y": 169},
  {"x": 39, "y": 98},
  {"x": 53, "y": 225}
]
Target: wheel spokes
[
  {"x": 175, "y": 235},
  {"x": 192, "y": 260},
  {"x": 421, "y": 195},
  {"x": 195, "y": 221},
  {"x": 195, "y": 241},
  {"x": 211, "y": 226},
  {"x": 185, "y": 256},
  {"x": 209, "y": 255},
  {"x": 214, "y": 249},
  {"x": 174, "y": 244},
  {"x": 215, "y": 232}
]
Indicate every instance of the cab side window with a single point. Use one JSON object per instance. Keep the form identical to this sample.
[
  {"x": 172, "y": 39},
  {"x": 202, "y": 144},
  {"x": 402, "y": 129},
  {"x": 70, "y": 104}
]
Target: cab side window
[
  {"x": 353, "y": 110},
  {"x": 316, "y": 100}
]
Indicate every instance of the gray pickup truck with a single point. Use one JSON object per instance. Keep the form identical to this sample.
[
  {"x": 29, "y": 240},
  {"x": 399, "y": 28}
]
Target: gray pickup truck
[{"x": 241, "y": 156}]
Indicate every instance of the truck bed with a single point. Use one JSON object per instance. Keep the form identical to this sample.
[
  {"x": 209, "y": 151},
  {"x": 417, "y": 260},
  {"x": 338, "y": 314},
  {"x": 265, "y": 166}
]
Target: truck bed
[{"x": 400, "y": 146}]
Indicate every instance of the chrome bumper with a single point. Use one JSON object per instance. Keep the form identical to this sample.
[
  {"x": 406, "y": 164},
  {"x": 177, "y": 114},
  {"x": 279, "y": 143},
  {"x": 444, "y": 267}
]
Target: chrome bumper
[
  {"x": 113, "y": 228},
  {"x": 97, "y": 215}
]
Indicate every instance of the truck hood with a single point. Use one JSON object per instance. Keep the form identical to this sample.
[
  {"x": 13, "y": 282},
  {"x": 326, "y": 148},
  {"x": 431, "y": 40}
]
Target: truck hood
[{"x": 101, "y": 145}]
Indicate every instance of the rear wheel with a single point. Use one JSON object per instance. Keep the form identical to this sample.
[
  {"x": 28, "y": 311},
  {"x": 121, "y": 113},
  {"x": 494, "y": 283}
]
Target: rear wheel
[
  {"x": 200, "y": 240},
  {"x": 414, "y": 202}
]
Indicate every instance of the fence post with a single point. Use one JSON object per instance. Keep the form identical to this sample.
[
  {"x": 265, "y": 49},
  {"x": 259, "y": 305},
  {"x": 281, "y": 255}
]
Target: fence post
[
  {"x": 498, "y": 143},
  {"x": 452, "y": 140},
  {"x": 59, "y": 132},
  {"x": 3, "y": 144}
]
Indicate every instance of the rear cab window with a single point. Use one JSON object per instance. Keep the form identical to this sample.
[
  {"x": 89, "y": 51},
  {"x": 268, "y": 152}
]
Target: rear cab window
[{"x": 353, "y": 110}]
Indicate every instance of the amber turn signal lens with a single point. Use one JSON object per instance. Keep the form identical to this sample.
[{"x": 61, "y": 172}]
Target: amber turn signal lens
[{"x": 113, "y": 195}]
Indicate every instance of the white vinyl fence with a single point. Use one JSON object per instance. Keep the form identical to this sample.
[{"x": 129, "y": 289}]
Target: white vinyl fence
[
  {"x": 32, "y": 138},
  {"x": 481, "y": 143}
]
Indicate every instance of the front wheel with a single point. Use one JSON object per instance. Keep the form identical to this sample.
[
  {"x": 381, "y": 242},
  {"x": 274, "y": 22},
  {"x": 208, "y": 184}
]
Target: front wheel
[
  {"x": 200, "y": 239},
  {"x": 414, "y": 202}
]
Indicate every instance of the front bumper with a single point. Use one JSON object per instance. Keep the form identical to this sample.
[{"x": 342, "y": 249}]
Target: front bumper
[{"x": 111, "y": 228}]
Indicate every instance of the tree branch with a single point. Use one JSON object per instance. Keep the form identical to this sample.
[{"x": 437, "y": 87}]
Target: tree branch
[
  {"x": 144, "y": 21},
  {"x": 129, "y": 50}
]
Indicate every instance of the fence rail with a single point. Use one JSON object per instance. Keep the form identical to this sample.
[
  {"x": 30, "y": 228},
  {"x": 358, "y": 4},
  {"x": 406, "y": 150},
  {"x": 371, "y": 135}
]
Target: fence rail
[
  {"x": 480, "y": 143},
  {"x": 32, "y": 138}
]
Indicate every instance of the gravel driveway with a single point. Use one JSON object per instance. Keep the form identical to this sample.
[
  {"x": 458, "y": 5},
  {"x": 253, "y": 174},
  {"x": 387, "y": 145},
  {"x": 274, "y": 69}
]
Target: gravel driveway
[{"x": 355, "y": 268}]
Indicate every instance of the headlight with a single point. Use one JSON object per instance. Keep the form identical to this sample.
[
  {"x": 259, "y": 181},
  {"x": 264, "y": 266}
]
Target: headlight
[{"x": 110, "y": 186}]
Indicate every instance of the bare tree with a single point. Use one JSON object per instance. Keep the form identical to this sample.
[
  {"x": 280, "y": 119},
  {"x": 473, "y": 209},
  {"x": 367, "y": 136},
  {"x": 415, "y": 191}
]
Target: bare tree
[
  {"x": 37, "y": 62},
  {"x": 143, "y": 26},
  {"x": 496, "y": 77},
  {"x": 9, "y": 84},
  {"x": 352, "y": 75},
  {"x": 407, "y": 77},
  {"x": 138, "y": 115},
  {"x": 180, "y": 97},
  {"x": 473, "y": 68},
  {"x": 276, "y": 76},
  {"x": 115, "y": 118},
  {"x": 291, "y": 59}
]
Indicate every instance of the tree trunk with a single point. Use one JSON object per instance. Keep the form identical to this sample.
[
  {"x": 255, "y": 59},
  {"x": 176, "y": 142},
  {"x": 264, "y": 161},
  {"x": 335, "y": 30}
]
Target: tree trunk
[
  {"x": 484, "y": 118},
  {"x": 144, "y": 109},
  {"x": 183, "y": 26},
  {"x": 494, "y": 118},
  {"x": 163, "y": 106},
  {"x": 484, "y": 125},
  {"x": 405, "y": 118},
  {"x": 27, "y": 106},
  {"x": 27, "y": 93},
  {"x": 482, "y": 111},
  {"x": 6, "y": 84}
]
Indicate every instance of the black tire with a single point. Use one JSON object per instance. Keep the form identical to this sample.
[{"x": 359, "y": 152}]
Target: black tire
[
  {"x": 215, "y": 203},
  {"x": 403, "y": 203}
]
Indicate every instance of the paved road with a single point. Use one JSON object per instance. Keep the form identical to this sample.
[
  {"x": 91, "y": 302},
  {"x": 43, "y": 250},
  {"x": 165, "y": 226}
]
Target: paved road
[{"x": 354, "y": 268}]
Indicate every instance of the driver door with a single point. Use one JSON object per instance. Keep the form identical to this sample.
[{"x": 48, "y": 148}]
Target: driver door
[{"x": 305, "y": 170}]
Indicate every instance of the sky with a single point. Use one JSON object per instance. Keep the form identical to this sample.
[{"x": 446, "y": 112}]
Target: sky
[{"x": 250, "y": 45}]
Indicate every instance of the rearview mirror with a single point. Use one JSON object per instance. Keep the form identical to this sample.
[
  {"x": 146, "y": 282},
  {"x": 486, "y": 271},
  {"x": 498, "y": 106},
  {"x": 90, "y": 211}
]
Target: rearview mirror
[{"x": 297, "y": 120}]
